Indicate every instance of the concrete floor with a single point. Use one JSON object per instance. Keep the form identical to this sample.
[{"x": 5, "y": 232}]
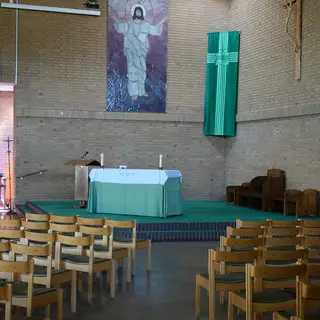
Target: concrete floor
[{"x": 167, "y": 293}]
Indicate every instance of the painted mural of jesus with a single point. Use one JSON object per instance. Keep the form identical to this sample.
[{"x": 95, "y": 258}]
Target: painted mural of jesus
[{"x": 136, "y": 45}]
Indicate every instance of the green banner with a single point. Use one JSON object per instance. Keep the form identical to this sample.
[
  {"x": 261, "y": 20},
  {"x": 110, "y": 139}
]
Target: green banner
[{"x": 221, "y": 84}]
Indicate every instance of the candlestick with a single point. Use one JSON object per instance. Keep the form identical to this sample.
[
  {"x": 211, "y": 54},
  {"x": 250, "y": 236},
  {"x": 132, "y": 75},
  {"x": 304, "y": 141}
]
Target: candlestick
[
  {"x": 160, "y": 161},
  {"x": 101, "y": 159}
]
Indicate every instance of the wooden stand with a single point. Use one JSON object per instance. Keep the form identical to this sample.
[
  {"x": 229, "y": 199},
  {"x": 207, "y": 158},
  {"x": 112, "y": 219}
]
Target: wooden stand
[{"x": 81, "y": 187}]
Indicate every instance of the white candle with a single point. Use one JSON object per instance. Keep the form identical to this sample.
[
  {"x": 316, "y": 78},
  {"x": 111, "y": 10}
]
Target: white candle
[
  {"x": 160, "y": 161},
  {"x": 101, "y": 159}
]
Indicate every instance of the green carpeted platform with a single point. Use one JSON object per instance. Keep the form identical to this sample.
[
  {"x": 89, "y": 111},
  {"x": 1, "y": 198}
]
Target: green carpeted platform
[{"x": 193, "y": 211}]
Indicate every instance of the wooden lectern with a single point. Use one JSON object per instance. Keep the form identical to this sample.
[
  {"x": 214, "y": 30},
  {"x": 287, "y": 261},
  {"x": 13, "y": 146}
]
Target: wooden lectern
[{"x": 82, "y": 169}]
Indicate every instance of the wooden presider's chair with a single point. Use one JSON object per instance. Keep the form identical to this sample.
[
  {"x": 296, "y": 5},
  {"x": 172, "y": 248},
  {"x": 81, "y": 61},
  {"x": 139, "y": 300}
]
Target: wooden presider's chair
[{"x": 262, "y": 188}]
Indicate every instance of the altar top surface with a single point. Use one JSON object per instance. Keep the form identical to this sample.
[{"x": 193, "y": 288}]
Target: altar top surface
[{"x": 133, "y": 176}]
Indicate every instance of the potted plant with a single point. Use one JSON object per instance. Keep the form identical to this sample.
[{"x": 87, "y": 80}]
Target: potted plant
[{"x": 92, "y": 4}]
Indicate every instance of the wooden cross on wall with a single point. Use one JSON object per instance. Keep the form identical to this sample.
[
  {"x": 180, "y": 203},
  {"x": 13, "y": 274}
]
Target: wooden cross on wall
[{"x": 297, "y": 42}]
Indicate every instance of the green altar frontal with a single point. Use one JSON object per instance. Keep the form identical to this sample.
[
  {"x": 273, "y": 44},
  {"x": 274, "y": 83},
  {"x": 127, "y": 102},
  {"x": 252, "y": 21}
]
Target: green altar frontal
[{"x": 153, "y": 193}]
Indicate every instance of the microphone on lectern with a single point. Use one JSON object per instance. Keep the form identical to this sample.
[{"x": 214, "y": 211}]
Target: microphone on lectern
[{"x": 84, "y": 155}]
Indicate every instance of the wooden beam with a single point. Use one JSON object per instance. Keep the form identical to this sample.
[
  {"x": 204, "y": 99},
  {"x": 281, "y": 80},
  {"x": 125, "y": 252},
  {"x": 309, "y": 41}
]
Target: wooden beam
[{"x": 298, "y": 38}]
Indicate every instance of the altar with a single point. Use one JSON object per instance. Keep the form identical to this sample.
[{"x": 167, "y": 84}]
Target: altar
[{"x": 141, "y": 192}]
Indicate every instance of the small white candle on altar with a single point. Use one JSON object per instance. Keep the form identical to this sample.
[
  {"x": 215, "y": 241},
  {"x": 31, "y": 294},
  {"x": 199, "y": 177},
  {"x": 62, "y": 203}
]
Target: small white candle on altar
[
  {"x": 160, "y": 161},
  {"x": 101, "y": 159}
]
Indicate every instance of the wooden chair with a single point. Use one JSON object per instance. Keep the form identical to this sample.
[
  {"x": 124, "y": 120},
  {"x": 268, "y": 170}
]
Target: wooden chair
[
  {"x": 313, "y": 246},
  {"x": 7, "y": 236},
  {"x": 132, "y": 243},
  {"x": 309, "y": 203},
  {"x": 309, "y": 293},
  {"x": 259, "y": 300},
  {"x": 221, "y": 282},
  {"x": 105, "y": 250},
  {"x": 287, "y": 201},
  {"x": 242, "y": 224},
  {"x": 5, "y": 289},
  {"x": 282, "y": 258},
  {"x": 44, "y": 274},
  {"x": 37, "y": 217},
  {"x": 81, "y": 263},
  {"x": 24, "y": 295}
]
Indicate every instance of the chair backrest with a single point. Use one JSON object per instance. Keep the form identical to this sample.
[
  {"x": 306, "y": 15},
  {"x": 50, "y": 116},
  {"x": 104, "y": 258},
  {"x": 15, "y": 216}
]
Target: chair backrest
[
  {"x": 266, "y": 272},
  {"x": 35, "y": 225},
  {"x": 235, "y": 232},
  {"x": 12, "y": 270},
  {"x": 310, "y": 223},
  {"x": 123, "y": 225},
  {"x": 224, "y": 257},
  {"x": 309, "y": 203},
  {"x": 37, "y": 217},
  {"x": 234, "y": 243},
  {"x": 90, "y": 221},
  {"x": 281, "y": 232},
  {"x": 276, "y": 181},
  {"x": 284, "y": 255},
  {"x": 311, "y": 232},
  {"x": 257, "y": 183},
  {"x": 63, "y": 228},
  {"x": 10, "y": 224},
  {"x": 39, "y": 237},
  {"x": 283, "y": 224},
  {"x": 63, "y": 219},
  {"x": 270, "y": 242},
  {"x": 242, "y": 224},
  {"x": 11, "y": 234},
  {"x": 81, "y": 241}
]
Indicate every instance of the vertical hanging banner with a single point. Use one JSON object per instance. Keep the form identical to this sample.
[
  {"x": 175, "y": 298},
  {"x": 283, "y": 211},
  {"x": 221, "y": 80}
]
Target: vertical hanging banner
[
  {"x": 137, "y": 55},
  {"x": 221, "y": 84}
]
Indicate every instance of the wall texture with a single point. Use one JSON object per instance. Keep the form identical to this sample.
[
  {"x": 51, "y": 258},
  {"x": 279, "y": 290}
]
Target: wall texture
[
  {"x": 278, "y": 119},
  {"x": 61, "y": 96}
]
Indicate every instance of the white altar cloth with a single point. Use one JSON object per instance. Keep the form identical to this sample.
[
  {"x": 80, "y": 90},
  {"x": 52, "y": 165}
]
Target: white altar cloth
[{"x": 133, "y": 176}]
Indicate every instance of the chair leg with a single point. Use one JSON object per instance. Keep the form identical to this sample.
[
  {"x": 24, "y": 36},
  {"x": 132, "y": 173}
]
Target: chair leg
[
  {"x": 74, "y": 292},
  {"x": 60, "y": 305},
  {"x": 8, "y": 310},
  {"x": 129, "y": 266},
  {"x": 230, "y": 309},
  {"x": 212, "y": 306},
  {"x": 47, "y": 311},
  {"x": 120, "y": 263},
  {"x": 113, "y": 280},
  {"x": 80, "y": 288},
  {"x": 222, "y": 298},
  {"x": 257, "y": 316},
  {"x": 90, "y": 282},
  {"x": 133, "y": 264},
  {"x": 198, "y": 297},
  {"x": 149, "y": 256}
]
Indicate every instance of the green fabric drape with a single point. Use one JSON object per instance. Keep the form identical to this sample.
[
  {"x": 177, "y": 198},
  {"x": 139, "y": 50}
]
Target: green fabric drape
[{"x": 221, "y": 84}]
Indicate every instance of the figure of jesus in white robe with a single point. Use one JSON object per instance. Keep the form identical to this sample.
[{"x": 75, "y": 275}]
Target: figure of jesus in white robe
[{"x": 136, "y": 46}]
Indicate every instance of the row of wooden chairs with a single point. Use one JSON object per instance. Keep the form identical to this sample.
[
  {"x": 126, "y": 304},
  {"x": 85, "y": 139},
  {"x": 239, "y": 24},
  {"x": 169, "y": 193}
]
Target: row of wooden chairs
[
  {"x": 40, "y": 223},
  {"x": 270, "y": 278},
  {"x": 281, "y": 242}
]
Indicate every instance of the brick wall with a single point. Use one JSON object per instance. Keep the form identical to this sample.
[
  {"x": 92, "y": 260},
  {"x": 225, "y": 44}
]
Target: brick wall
[
  {"x": 61, "y": 97},
  {"x": 278, "y": 119}
]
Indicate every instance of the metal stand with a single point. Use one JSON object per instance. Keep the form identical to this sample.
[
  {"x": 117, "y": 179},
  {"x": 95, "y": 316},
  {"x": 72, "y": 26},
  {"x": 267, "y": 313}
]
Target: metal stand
[{"x": 8, "y": 140}]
